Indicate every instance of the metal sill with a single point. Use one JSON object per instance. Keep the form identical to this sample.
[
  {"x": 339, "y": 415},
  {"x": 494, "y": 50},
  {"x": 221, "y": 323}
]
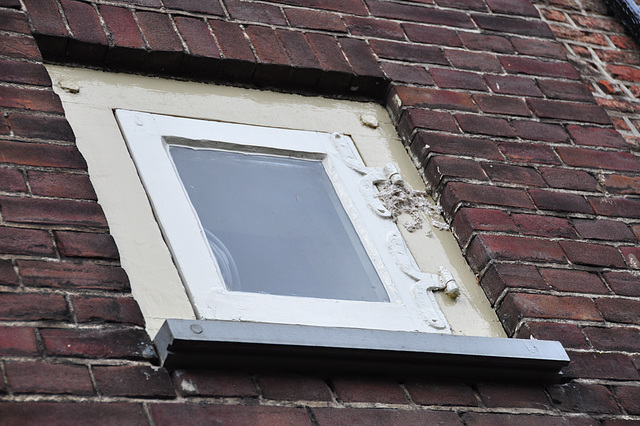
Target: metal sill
[{"x": 190, "y": 344}]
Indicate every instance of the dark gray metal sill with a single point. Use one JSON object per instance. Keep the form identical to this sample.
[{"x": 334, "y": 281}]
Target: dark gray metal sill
[{"x": 190, "y": 344}]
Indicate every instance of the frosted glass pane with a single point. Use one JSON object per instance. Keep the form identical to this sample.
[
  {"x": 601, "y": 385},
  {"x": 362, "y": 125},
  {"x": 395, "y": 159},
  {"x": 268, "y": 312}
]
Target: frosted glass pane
[{"x": 276, "y": 225}]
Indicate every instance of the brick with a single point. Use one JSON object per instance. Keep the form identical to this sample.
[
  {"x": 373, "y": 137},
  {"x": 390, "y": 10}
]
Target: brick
[
  {"x": 596, "y": 136},
  {"x": 329, "y": 53},
  {"x": 29, "y": 99},
  {"x": 457, "y": 192},
  {"x": 354, "y": 7},
  {"x": 299, "y": 50},
  {"x": 360, "y": 57},
  {"x": 52, "y": 212},
  {"x": 486, "y": 42},
  {"x": 511, "y": 85},
  {"x": 315, "y": 19},
  {"x": 86, "y": 244},
  {"x": 567, "y": 90},
  {"x": 537, "y": 67},
  {"x": 18, "y": 341},
  {"x": 629, "y": 398},
  {"x": 455, "y": 145},
  {"x": 122, "y": 26},
  {"x": 602, "y": 229},
  {"x": 469, "y": 220},
  {"x": 69, "y": 413},
  {"x": 614, "y": 338},
  {"x": 134, "y": 381},
  {"x": 583, "y": 398},
  {"x": 441, "y": 393},
  {"x": 84, "y": 23},
  {"x": 544, "y": 108},
  {"x": 544, "y": 132},
  {"x": 382, "y": 417},
  {"x": 511, "y": 276},
  {"x": 41, "y": 127},
  {"x": 33, "y": 307},
  {"x": 513, "y": 174},
  {"x": 569, "y": 179},
  {"x": 24, "y": 72},
  {"x": 495, "y": 104},
  {"x": 452, "y": 79},
  {"x": 474, "y": 61},
  {"x": 513, "y": 7},
  {"x": 427, "y": 15},
  {"x": 370, "y": 27},
  {"x": 66, "y": 185},
  {"x": 19, "y": 47},
  {"x": 623, "y": 283},
  {"x": 624, "y": 72},
  {"x": 408, "y": 52},
  {"x": 560, "y": 201},
  {"x": 407, "y": 73},
  {"x": 485, "y": 248},
  {"x": 11, "y": 180},
  {"x": 98, "y": 343},
  {"x": 45, "y": 17},
  {"x": 368, "y": 390},
  {"x": 215, "y": 383},
  {"x": 169, "y": 414},
  {"x": 107, "y": 309},
  {"x": 197, "y": 36},
  {"x": 539, "y": 48},
  {"x": 69, "y": 275},
  {"x": 517, "y": 306},
  {"x": 431, "y": 35},
  {"x": 433, "y": 120},
  {"x": 503, "y": 24},
  {"x": 441, "y": 167},
  {"x": 620, "y": 310},
  {"x": 46, "y": 155},
  {"x": 598, "y": 365},
  {"x": 616, "y": 207},
  {"x": 528, "y": 153},
  {"x": 618, "y": 184},
  {"x": 47, "y": 378},
  {"x": 502, "y": 419},
  {"x": 568, "y": 334},
  {"x": 267, "y": 45},
  {"x": 292, "y": 387},
  {"x": 434, "y": 99},
  {"x": 159, "y": 32},
  {"x": 574, "y": 281},
  {"x": 7, "y": 274},
  {"x": 14, "y": 21},
  {"x": 592, "y": 254},
  {"x": 25, "y": 241},
  {"x": 583, "y": 157},
  {"x": 544, "y": 226},
  {"x": 513, "y": 395},
  {"x": 484, "y": 125}
]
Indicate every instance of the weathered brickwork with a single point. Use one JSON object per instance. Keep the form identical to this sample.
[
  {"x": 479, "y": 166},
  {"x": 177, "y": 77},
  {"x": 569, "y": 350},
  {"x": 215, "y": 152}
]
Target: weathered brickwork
[{"x": 524, "y": 117}]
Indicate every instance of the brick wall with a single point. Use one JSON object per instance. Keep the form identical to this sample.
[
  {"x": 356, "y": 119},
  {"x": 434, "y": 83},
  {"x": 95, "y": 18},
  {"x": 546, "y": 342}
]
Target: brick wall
[{"x": 541, "y": 189}]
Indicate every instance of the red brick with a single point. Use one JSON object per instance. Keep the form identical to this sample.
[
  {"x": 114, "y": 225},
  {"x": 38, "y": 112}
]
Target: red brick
[
  {"x": 354, "y": 7},
  {"x": 52, "y": 212},
  {"x": 441, "y": 167},
  {"x": 455, "y": 193},
  {"x": 293, "y": 387},
  {"x": 407, "y": 73},
  {"x": 568, "y": 33},
  {"x": 614, "y": 338},
  {"x": 433, "y": 98},
  {"x": 11, "y": 180},
  {"x": 559, "y": 201},
  {"x": 574, "y": 281},
  {"x": 85, "y": 244},
  {"x": 452, "y": 79},
  {"x": 616, "y": 207},
  {"x": 569, "y": 179},
  {"x": 623, "y": 41},
  {"x": 408, "y": 52},
  {"x": 98, "y": 343},
  {"x": 582, "y": 157},
  {"x": 19, "y": 47},
  {"x": 592, "y": 254},
  {"x": 463, "y": 4},
  {"x": 629, "y": 398},
  {"x": 46, "y": 155},
  {"x": 529, "y": 153},
  {"x": 231, "y": 40},
  {"x": 568, "y": 334},
  {"x": 511, "y": 276},
  {"x": 18, "y": 341},
  {"x": 159, "y": 32},
  {"x": 107, "y": 309},
  {"x": 544, "y": 108},
  {"x": 14, "y": 21},
  {"x": 133, "y": 381},
  {"x": 315, "y": 19},
  {"x": 502, "y": 419},
  {"x": 267, "y": 45},
  {"x": 622, "y": 184},
  {"x": 41, "y": 127},
  {"x": 486, "y": 42},
  {"x": 370, "y": 27},
  {"x": 596, "y": 136},
  {"x": 45, "y": 17},
  {"x": 47, "y": 378},
  {"x": 433, "y": 120},
  {"x": 539, "y": 48},
  {"x": 300, "y": 52},
  {"x": 602, "y": 229},
  {"x": 520, "y": 26},
  {"x": 583, "y": 398},
  {"x": 360, "y": 57},
  {"x": 84, "y": 23},
  {"x": 567, "y": 90},
  {"x": 598, "y": 365},
  {"x": 122, "y": 26},
  {"x": 513, "y": 7},
  {"x": 197, "y": 36},
  {"x": 169, "y": 414},
  {"x": 469, "y": 220},
  {"x": 624, "y": 72},
  {"x": 383, "y": 417},
  {"x": 513, "y": 174},
  {"x": 510, "y": 85},
  {"x": 534, "y": 130},
  {"x": 29, "y": 99},
  {"x": 631, "y": 256},
  {"x": 624, "y": 283},
  {"x": 215, "y": 383},
  {"x": 329, "y": 53},
  {"x": 600, "y": 23},
  {"x": 544, "y": 226},
  {"x": 517, "y": 306},
  {"x": 66, "y": 185},
  {"x": 33, "y": 307},
  {"x": 69, "y": 275},
  {"x": 210, "y": 7},
  {"x": 485, "y": 248},
  {"x": 431, "y": 35},
  {"x": 24, "y": 72},
  {"x": 7, "y": 274},
  {"x": 441, "y": 393},
  {"x": 369, "y": 390},
  {"x": 73, "y": 413},
  {"x": 537, "y": 67},
  {"x": 427, "y": 15},
  {"x": 620, "y": 310},
  {"x": 25, "y": 241},
  {"x": 496, "y": 104},
  {"x": 513, "y": 395},
  {"x": 455, "y": 145}
]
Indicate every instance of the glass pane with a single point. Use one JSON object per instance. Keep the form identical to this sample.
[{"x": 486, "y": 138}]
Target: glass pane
[{"x": 276, "y": 225}]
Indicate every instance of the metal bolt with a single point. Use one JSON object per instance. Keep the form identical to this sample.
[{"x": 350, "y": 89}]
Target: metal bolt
[{"x": 197, "y": 329}]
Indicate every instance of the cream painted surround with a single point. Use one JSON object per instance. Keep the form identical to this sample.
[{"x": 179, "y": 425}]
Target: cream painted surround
[{"x": 89, "y": 98}]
